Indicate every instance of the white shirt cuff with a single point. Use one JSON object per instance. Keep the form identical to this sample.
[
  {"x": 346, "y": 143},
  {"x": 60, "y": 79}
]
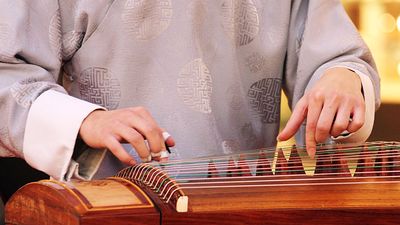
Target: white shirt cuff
[{"x": 51, "y": 130}]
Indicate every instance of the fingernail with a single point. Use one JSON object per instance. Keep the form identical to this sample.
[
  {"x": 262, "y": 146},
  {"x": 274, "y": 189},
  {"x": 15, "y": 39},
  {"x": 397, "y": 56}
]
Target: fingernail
[
  {"x": 155, "y": 154},
  {"x": 165, "y": 135},
  {"x": 148, "y": 159},
  {"x": 164, "y": 154}
]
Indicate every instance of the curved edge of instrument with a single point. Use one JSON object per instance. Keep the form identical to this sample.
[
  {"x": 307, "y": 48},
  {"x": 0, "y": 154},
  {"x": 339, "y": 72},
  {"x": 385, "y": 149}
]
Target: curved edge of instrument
[
  {"x": 34, "y": 201},
  {"x": 81, "y": 202}
]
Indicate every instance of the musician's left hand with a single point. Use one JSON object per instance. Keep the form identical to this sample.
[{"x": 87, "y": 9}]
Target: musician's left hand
[{"x": 335, "y": 104}]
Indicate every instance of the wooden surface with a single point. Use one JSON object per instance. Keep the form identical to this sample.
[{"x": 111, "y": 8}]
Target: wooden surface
[
  {"x": 323, "y": 204},
  {"x": 289, "y": 217},
  {"x": 53, "y": 203},
  {"x": 48, "y": 203}
]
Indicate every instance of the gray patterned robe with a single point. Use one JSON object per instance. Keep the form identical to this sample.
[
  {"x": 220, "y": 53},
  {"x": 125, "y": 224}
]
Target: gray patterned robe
[{"x": 209, "y": 71}]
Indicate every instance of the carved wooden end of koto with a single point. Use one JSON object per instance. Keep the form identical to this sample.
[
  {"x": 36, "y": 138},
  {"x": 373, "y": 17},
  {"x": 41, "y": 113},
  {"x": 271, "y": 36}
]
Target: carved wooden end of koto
[
  {"x": 111, "y": 201},
  {"x": 350, "y": 184}
]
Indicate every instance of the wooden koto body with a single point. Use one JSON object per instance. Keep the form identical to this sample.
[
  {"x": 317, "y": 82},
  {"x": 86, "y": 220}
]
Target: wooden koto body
[{"x": 238, "y": 189}]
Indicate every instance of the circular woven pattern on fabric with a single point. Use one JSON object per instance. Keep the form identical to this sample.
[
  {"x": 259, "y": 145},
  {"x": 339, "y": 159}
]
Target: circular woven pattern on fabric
[
  {"x": 194, "y": 85},
  {"x": 240, "y": 20},
  {"x": 96, "y": 85},
  {"x": 264, "y": 98},
  {"x": 55, "y": 35},
  {"x": 24, "y": 91},
  {"x": 147, "y": 19}
]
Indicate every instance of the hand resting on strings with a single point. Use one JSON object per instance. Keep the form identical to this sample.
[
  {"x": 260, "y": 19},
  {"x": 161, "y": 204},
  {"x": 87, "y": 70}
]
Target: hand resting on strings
[{"x": 333, "y": 105}]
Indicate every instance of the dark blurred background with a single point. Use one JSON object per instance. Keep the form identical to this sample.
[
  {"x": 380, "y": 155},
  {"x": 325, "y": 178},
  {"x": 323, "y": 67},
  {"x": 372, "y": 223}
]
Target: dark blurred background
[{"x": 379, "y": 23}]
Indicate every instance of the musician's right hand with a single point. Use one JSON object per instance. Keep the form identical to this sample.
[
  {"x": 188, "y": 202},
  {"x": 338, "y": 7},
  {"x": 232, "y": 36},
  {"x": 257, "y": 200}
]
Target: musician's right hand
[{"x": 108, "y": 129}]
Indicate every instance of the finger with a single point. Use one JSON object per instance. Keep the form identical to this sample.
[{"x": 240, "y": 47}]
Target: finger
[
  {"x": 150, "y": 130},
  {"x": 325, "y": 122},
  {"x": 341, "y": 121},
  {"x": 161, "y": 154},
  {"x": 118, "y": 151},
  {"x": 314, "y": 111},
  {"x": 136, "y": 140},
  {"x": 296, "y": 119},
  {"x": 146, "y": 115},
  {"x": 358, "y": 119},
  {"x": 164, "y": 154},
  {"x": 162, "y": 157},
  {"x": 170, "y": 142}
]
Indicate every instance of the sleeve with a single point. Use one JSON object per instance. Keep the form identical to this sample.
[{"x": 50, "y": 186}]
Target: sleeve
[
  {"x": 39, "y": 120},
  {"x": 322, "y": 36}
]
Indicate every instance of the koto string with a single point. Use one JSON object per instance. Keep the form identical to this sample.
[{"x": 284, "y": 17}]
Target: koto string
[
  {"x": 323, "y": 150},
  {"x": 245, "y": 168},
  {"x": 243, "y": 165},
  {"x": 377, "y": 162},
  {"x": 188, "y": 169},
  {"x": 266, "y": 162}
]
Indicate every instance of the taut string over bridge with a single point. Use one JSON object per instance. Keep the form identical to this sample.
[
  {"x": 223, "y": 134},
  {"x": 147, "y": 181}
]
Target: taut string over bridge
[{"x": 336, "y": 164}]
